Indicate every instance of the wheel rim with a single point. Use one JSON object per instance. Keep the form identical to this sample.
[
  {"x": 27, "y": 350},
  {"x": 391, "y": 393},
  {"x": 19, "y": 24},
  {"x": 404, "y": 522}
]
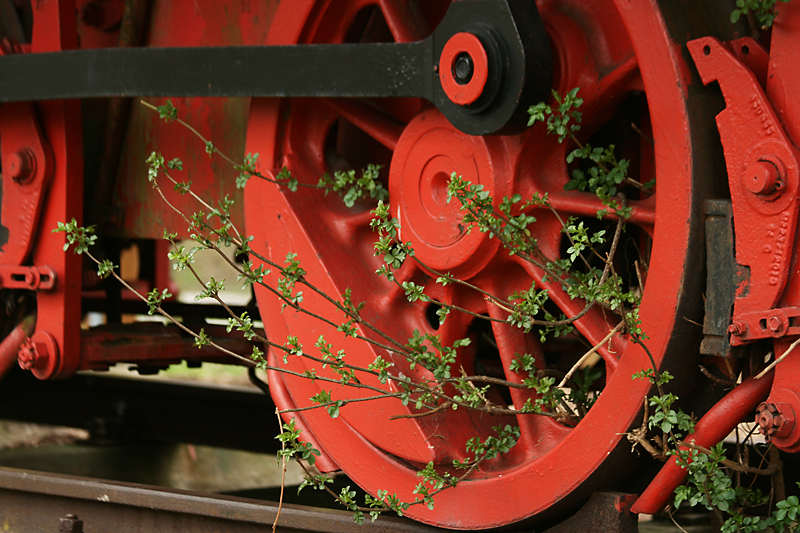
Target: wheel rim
[{"x": 552, "y": 467}]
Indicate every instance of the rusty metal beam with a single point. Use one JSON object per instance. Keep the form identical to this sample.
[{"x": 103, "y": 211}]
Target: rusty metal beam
[{"x": 35, "y": 501}]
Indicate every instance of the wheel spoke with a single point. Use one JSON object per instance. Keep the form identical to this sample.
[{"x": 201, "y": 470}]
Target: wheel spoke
[
  {"x": 554, "y": 465},
  {"x": 609, "y": 87},
  {"x": 643, "y": 212},
  {"x": 373, "y": 121},
  {"x": 537, "y": 432},
  {"x": 594, "y": 325},
  {"x": 405, "y": 20}
]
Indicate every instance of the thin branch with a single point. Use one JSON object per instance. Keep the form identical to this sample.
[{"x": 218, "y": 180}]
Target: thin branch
[
  {"x": 779, "y": 359},
  {"x": 588, "y": 354},
  {"x": 343, "y": 402},
  {"x": 283, "y": 473},
  {"x": 733, "y": 465}
]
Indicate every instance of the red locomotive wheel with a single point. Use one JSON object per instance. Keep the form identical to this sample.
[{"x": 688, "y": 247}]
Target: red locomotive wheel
[{"x": 629, "y": 69}]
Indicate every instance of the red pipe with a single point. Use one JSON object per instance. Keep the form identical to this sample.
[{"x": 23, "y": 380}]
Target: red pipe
[
  {"x": 717, "y": 423},
  {"x": 10, "y": 345}
]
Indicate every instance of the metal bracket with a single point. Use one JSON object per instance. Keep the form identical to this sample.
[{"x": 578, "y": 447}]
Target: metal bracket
[
  {"x": 769, "y": 324},
  {"x": 28, "y": 278},
  {"x": 763, "y": 175},
  {"x": 484, "y": 64}
]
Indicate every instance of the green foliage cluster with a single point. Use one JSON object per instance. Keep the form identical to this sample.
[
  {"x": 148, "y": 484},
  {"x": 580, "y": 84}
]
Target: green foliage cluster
[
  {"x": 761, "y": 11},
  {"x": 708, "y": 484}
]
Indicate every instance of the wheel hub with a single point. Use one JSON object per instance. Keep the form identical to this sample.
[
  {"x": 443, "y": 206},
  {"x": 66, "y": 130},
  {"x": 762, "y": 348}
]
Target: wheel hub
[{"x": 428, "y": 152}]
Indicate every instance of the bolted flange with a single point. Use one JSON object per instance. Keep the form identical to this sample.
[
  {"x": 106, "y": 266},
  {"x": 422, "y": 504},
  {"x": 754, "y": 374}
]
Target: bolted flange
[
  {"x": 775, "y": 420},
  {"x": 40, "y": 355}
]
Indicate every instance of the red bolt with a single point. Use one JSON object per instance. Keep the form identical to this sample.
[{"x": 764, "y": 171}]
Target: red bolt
[
  {"x": 22, "y": 165},
  {"x": 763, "y": 178},
  {"x": 775, "y": 419},
  {"x": 33, "y": 354},
  {"x": 737, "y": 328},
  {"x": 27, "y": 355}
]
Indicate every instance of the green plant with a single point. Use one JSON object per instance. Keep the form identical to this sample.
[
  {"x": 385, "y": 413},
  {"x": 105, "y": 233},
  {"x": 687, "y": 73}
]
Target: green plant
[
  {"x": 759, "y": 12},
  {"x": 586, "y": 272}
]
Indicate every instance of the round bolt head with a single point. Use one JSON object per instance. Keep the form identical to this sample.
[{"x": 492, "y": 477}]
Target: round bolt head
[
  {"x": 21, "y": 166},
  {"x": 762, "y": 178},
  {"x": 27, "y": 355},
  {"x": 765, "y": 418},
  {"x": 463, "y": 68},
  {"x": 737, "y": 328}
]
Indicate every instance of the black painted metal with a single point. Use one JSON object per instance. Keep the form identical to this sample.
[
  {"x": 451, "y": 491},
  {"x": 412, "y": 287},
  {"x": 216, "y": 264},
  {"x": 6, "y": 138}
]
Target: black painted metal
[
  {"x": 358, "y": 70},
  {"x": 125, "y": 410},
  {"x": 35, "y": 501},
  {"x": 723, "y": 277},
  {"x": 511, "y": 31}
]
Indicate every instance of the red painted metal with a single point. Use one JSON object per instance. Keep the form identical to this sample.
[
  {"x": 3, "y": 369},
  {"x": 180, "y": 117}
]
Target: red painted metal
[
  {"x": 781, "y": 80},
  {"x": 463, "y": 44},
  {"x": 10, "y": 345},
  {"x": 626, "y": 49},
  {"x": 785, "y": 399},
  {"x": 148, "y": 344},
  {"x": 40, "y": 355},
  {"x": 552, "y": 467},
  {"x": 714, "y": 426},
  {"x": 27, "y": 171},
  {"x": 134, "y": 211},
  {"x": 775, "y": 420},
  {"x": 58, "y": 311},
  {"x": 763, "y": 176},
  {"x": 28, "y": 278},
  {"x": 783, "y": 75},
  {"x": 774, "y": 323}
]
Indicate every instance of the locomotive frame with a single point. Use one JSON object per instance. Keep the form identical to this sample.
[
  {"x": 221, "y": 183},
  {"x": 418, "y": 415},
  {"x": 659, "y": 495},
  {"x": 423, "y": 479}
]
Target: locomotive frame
[{"x": 720, "y": 139}]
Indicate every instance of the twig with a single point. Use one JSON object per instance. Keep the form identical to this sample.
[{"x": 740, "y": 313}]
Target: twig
[
  {"x": 588, "y": 354},
  {"x": 437, "y": 409},
  {"x": 715, "y": 379},
  {"x": 344, "y": 402},
  {"x": 283, "y": 473},
  {"x": 676, "y": 523},
  {"x": 639, "y": 275},
  {"x": 779, "y": 359},
  {"x": 732, "y": 464}
]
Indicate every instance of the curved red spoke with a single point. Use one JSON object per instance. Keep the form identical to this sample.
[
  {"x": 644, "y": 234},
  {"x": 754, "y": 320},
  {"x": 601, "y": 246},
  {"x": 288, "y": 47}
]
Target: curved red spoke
[
  {"x": 612, "y": 85},
  {"x": 595, "y": 325},
  {"x": 405, "y": 20},
  {"x": 372, "y": 120},
  {"x": 566, "y": 203},
  {"x": 538, "y": 433}
]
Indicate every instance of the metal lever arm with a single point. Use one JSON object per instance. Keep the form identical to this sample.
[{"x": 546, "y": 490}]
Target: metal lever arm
[{"x": 496, "y": 48}]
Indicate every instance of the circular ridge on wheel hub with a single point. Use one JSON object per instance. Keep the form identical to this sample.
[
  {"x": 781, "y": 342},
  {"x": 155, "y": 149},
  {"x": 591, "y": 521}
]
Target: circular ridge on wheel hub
[
  {"x": 625, "y": 61},
  {"x": 429, "y": 151}
]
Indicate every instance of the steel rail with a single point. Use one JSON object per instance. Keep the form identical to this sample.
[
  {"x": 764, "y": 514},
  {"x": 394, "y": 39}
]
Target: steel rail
[{"x": 37, "y": 501}]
